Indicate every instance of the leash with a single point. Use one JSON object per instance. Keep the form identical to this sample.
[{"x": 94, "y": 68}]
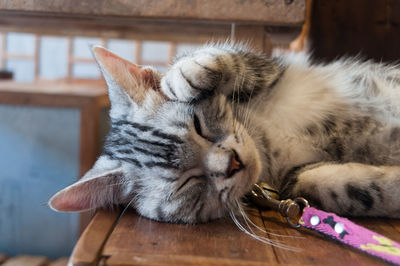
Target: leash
[{"x": 298, "y": 213}]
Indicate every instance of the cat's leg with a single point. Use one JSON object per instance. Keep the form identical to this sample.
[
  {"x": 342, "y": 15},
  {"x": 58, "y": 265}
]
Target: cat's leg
[
  {"x": 228, "y": 70},
  {"x": 348, "y": 189}
]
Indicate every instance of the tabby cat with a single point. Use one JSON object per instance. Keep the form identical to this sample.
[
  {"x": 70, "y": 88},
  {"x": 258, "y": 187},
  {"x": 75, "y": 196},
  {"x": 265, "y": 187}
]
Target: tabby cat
[{"x": 186, "y": 146}]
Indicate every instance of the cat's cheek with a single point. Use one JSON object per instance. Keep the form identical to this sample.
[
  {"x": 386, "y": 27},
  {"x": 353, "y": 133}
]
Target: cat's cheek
[
  {"x": 253, "y": 166},
  {"x": 254, "y": 169}
]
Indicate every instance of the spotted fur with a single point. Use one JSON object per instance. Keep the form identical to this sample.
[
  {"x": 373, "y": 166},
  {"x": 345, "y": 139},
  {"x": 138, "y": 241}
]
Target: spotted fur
[{"x": 187, "y": 145}]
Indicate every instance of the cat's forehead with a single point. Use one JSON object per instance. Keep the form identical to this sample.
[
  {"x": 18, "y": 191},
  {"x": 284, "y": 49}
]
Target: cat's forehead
[{"x": 173, "y": 113}]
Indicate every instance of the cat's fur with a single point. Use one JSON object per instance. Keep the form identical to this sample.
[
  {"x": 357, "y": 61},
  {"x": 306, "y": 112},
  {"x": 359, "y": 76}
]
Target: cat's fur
[{"x": 329, "y": 133}]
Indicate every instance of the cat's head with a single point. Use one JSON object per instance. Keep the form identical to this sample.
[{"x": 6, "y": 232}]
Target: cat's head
[{"x": 172, "y": 161}]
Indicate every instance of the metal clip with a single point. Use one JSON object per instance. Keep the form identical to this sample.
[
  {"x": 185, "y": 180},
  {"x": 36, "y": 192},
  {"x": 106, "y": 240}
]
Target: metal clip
[{"x": 264, "y": 196}]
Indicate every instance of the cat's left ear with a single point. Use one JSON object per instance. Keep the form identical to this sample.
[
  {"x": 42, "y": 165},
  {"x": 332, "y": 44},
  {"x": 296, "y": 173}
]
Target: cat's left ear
[
  {"x": 100, "y": 187},
  {"x": 126, "y": 81}
]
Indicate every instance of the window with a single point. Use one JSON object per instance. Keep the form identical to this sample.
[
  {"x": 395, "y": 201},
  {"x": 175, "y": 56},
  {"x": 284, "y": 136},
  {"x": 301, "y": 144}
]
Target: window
[{"x": 32, "y": 57}]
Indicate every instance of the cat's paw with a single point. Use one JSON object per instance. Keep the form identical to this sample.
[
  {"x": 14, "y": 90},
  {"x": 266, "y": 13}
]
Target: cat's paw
[{"x": 193, "y": 77}]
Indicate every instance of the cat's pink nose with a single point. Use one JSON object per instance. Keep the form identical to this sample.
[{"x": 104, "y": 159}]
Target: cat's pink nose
[{"x": 235, "y": 164}]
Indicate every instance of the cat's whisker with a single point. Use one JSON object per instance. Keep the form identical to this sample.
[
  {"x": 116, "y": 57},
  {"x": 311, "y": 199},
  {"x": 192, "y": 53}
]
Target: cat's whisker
[
  {"x": 239, "y": 111},
  {"x": 235, "y": 90},
  {"x": 245, "y": 216},
  {"x": 250, "y": 222},
  {"x": 125, "y": 208},
  {"x": 247, "y": 108},
  {"x": 262, "y": 239}
]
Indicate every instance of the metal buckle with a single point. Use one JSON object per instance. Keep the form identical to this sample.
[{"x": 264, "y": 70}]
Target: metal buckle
[{"x": 264, "y": 196}]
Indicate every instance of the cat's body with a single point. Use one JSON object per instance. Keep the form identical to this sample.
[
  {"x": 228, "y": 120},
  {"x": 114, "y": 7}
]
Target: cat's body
[{"x": 187, "y": 147}]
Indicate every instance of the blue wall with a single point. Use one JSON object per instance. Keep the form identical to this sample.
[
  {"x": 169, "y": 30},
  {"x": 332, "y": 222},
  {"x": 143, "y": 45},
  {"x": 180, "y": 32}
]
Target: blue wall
[{"x": 39, "y": 154}]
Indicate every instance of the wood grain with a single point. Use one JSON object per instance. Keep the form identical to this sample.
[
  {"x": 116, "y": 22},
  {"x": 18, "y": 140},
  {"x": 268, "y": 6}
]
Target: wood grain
[
  {"x": 396, "y": 224},
  {"x": 255, "y": 35},
  {"x": 89, "y": 146},
  {"x": 59, "y": 262},
  {"x": 26, "y": 260},
  {"x": 269, "y": 11},
  {"x": 137, "y": 240},
  {"x": 3, "y": 258},
  {"x": 83, "y": 88},
  {"x": 352, "y": 28},
  {"x": 384, "y": 226},
  {"x": 53, "y": 94},
  {"x": 195, "y": 21},
  {"x": 88, "y": 249},
  {"x": 116, "y": 28}
]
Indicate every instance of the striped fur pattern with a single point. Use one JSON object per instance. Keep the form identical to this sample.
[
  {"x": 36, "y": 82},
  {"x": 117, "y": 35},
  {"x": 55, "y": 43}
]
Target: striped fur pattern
[{"x": 228, "y": 117}]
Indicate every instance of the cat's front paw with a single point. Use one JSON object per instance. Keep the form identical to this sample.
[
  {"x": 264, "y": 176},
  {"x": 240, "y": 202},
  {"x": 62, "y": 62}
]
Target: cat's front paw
[{"x": 192, "y": 77}]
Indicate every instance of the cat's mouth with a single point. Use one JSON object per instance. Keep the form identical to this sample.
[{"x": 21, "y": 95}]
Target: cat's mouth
[{"x": 235, "y": 166}]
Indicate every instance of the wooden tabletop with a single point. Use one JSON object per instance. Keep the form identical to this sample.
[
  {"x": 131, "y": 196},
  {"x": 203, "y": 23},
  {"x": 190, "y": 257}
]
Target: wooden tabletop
[{"x": 135, "y": 240}]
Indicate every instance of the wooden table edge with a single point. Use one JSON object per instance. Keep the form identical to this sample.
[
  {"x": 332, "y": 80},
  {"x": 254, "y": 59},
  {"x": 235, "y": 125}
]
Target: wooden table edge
[
  {"x": 87, "y": 250},
  {"x": 154, "y": 259}
]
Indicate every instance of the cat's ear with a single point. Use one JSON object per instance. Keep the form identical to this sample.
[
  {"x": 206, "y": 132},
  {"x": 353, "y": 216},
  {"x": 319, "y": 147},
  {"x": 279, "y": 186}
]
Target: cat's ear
[
  {"x": 100, "y": 187},
  {"x": 126, "y": 81}
]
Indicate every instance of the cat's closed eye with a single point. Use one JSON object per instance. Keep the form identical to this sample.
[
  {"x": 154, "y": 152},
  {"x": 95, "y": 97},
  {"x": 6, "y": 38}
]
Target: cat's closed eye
[
  {"x": 199, "y": 129},
  {"x": 197, "y": 125}
]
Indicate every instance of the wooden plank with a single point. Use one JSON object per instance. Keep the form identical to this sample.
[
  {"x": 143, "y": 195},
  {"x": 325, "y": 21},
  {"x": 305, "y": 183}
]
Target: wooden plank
[
  {"x": 25, "y": 260},
  {"x": 251, "y": 34},
  {"x": 89, "y": 136},
  {"x": 36, "y": 57},
  {"x": 88, "y": 147},
  {"x": 155, "y": 259},
  {"x": 270, "y": 12},
  {"x": 396, "y": 224},
  {"x": 364, "y": 28},
  {"x": 80, "y": 88},
  {"x": 282, "y": 37},
  {"x": 88, "y": 249},
  {"x": 138, "y": 52},
  {"x": 314, "y": 248},
  {"x": 138, "y": 240},
  {"x": 82, "y": 60},
  {"x": 172, "y": 52},
  {"x": 384, "y": 226},
  {"x": 19, "y": 56},
  {"x": 53, "y": 94},
  {"x": 60, "y": 262},
  {"x": 3, "y": 45},
  {"x": 116, "y": 28},
  {"x": 3, "y": 258},
  {"x": 70, "y": 52}
]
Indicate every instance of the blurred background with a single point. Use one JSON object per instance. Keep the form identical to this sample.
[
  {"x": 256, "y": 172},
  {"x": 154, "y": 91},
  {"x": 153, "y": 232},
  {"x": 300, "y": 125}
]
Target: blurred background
[{"x": 53, "y": 102}]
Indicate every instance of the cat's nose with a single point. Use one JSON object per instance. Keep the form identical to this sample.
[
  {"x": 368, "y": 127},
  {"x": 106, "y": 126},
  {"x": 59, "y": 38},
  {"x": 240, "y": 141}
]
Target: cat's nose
[{"x": 235, "y": 164}]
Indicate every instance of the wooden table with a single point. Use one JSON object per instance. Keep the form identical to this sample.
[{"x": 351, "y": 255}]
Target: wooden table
[{"x": 134, "y": 240}]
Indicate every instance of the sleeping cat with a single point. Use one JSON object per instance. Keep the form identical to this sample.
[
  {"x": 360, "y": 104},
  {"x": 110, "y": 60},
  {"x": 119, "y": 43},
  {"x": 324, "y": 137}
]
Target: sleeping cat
[{"x": 187, "y": 146}]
